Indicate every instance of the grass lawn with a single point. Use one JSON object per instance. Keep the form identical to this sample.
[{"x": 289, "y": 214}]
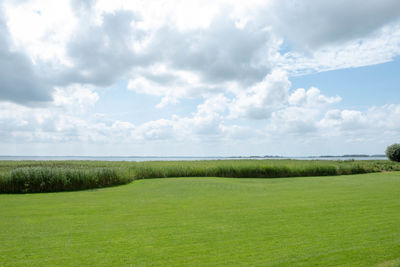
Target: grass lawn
[{"x": 340, "y": 220}]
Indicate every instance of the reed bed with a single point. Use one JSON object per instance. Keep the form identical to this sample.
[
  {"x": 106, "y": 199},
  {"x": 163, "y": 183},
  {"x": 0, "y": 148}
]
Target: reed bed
[
  {"x": 51, "y": 179},
  {"x": 258, "y": 168},
  {"x": 52, "y": 176}
]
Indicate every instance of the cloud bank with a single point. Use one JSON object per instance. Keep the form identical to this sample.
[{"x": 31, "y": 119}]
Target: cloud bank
[{"x": 236, "y": 60}]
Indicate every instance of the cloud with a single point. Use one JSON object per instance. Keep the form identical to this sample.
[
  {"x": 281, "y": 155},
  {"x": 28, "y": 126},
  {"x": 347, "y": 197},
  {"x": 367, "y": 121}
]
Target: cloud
[
  {"x": 41, "y": 29},
  {"x": 166, "y": 61},
  {"x": 294, "y": 120},
  {"x": 236, "y": 61},
  {"x": 311, "y": 98},
  {"x": 382, "y": 46},
  {"x": 207, "y": 121},
  {"x": 19, "y": 79},
  {"x": 70, "y": 120},
  {"x": 301, "y": 112},
  {"x": 344, "y": 120},
  {"x": 314, "y": 24},
  {"x": 57, "y": 121},
  {"x": 82, "y": 6},
  {"x": 198, "y": 61},
  {"x": 214, "y": 52},
  {"x": 101, "y": 54},
  {"x": 219, "y": 53},
  {"x": 75, "y": 98},
  {"x": 157, "y": 130},
  {"x": 171, "y": 85},
  {"x": 376, "y": 121},
  {"x": 260, "y": 100}
]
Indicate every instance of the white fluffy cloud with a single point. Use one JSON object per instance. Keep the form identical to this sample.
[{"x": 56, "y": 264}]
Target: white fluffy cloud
[
  {"x": 302, "y": 112},
  {"x": 218, "y": 43},
  {"x": 171, "y": 85},
  {"x": 311, "y": 98},
  {"x": 377, "y": 121},
  {"x": 261, "y": 99},
  {"x": 294, "y": 120},
  {"x": 76, "y": 99},
  {"x": 236, "y": 59},
  {"x": 62, "y": 123}
]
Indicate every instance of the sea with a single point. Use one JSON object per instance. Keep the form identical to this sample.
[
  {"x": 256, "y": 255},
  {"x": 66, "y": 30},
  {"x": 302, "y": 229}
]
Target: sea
[{"x": 153, "y": 158}]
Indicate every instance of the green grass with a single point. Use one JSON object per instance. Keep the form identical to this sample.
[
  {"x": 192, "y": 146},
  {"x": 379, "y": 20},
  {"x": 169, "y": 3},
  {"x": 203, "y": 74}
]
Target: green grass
[{"x": 314, "y": 221}]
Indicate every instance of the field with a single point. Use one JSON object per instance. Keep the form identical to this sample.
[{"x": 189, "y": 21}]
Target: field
[{"x": 350, "y": 220}]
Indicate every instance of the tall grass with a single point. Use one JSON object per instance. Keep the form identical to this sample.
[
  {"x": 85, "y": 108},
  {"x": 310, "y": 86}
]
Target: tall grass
[
  {"x": 237, "y": 171},
  {"x": 51, "y": 176},
  {"x": 258, "y": 168},
  {"x": 50, "y": 179}
]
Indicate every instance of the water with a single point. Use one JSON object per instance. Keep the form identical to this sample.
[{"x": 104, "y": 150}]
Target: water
[
  {"x": 136, "y": 158},
  {"x": 99, "y": 158}
]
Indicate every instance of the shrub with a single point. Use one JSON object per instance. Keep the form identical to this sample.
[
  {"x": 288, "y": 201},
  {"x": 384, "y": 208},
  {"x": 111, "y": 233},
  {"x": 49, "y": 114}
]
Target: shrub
[{"x": 393, "y": 152}]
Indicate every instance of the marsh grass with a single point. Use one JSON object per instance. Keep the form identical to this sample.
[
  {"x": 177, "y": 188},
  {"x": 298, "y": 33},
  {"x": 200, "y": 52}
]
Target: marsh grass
[
  {"x": 258, "y": 168},
  {"x": 51, "y": 179},
  {"x": 52, "y": 176}
]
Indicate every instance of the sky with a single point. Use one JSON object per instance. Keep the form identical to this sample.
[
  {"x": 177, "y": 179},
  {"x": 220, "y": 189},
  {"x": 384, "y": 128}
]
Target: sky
[{"x": 199, "y": 78}]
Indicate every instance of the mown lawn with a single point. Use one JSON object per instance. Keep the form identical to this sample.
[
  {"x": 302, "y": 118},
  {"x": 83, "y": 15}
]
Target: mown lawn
[{"x": 327, "y": 221}]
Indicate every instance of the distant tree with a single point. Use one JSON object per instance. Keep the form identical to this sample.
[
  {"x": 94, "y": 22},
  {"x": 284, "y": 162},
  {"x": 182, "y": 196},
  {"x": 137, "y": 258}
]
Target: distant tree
[{"x": 393, "y": 152}]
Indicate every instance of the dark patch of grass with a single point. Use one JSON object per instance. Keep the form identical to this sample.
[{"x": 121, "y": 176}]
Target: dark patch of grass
[
  {"x": 240, "y": 171},
  {"x": 51, "y": 179}
]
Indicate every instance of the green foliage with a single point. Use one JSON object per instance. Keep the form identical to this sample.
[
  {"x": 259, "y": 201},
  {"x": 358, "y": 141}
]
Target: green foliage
[
  {"x": 51, "y": 179},
  {"x": 393, "y": 152},
  {"x": 257, "y": 168},
  {"x": 51, "y": 176}
]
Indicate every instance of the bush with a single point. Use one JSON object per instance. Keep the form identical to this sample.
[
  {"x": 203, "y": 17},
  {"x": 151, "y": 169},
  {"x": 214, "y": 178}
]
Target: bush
[{"x": 393, "y": 152}]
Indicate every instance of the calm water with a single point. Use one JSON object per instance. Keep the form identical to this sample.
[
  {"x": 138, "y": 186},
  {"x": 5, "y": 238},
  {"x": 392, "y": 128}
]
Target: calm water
[{"x": 171, "y": 158}]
